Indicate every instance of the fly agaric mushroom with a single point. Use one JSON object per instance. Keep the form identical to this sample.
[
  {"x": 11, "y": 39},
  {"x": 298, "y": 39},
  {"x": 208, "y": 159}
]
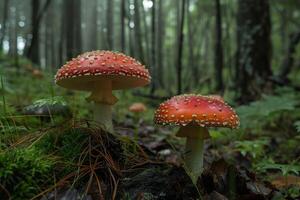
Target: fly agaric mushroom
[
  {"x": 194, "y": 114},
  {"x": 137, "y": 108},
  {"x": 100, "y": 72}
]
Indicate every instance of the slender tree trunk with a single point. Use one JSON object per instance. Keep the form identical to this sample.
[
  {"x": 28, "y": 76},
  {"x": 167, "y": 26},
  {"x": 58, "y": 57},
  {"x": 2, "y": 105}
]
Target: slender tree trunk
[
  {"x": 138, "y": 32},
  {"x": 122, "y": 20},
  {"x": 253, "y": 67},
  {"x": 130, "y": 33},
  {"x": 11, "y": 35},
  {"x": 69, "y": 29},
  {"x": 147, "y": 39},
  {"x": 93, "y": 39},
  {"x": 53, "y": 63},
  {"x": 62, "y": 37},
  {"x": 180, "y": 38},
  {"x": 34, "y": 51},
  {"x": 153, "y": 53},
  {"x": 288, "y": 60},
  {"x": 36, "y": 17},
  {"x": 16, "y": 55},
  {"x": 219, "y": 49},
  {"x": 191, "y": 59},
  {"x": 46, "y": 42},
  {"x": 160, "y": 44},
  {"x": 77, "y": 27},
  {"x": 110, "y": 23},
  {"x": 4, "y": 22},
  {"x": 72, "y": 27}
]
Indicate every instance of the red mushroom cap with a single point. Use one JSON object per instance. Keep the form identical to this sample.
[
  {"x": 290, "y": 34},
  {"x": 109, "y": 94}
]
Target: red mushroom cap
[
  {"x": 216, "y": 97},
  {"x": 98, "y": 66},
  {"x": 137, "y": 107},
  {"x": 205, "y": 111}
]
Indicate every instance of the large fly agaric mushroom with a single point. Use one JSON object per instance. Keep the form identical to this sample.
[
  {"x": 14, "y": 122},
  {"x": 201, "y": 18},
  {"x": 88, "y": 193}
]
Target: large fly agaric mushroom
[
  {"x": 100, "y": 72},
  {"x": 194, "y": 114}
]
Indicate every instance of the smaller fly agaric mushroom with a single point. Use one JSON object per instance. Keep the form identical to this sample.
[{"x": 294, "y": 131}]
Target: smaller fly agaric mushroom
[
  {"x": 137, "y": 108},
  {"x": 194, "y": 114},
  {"x": 101, "y": 72}
]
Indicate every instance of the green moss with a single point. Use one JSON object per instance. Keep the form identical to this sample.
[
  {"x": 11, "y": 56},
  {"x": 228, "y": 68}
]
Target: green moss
[{"x": 24, "y": 172}]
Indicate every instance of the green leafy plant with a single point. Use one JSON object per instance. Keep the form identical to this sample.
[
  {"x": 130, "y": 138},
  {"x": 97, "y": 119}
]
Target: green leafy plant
[
  {"x": 57, "y": 100},
  {"x": 253, "y": 148},
  {"x": 297, "y": 125},
  {"x": 292, "y": 192},
  {"x": 256, "y": 112},
  {"x": 285, "y": 169}
]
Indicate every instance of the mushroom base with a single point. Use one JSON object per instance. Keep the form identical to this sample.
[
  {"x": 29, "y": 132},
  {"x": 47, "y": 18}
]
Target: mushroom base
[
  {"x": 194, "y": 157},
  {"x": 103, "y": 115}
]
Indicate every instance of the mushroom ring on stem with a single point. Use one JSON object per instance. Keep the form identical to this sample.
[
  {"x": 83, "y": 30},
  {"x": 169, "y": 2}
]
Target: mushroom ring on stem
[
  {"x": 194, "y": 114},
  {"x": 101, "y": 72}
]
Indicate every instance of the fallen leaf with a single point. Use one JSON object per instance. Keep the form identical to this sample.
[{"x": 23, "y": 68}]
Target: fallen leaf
[{"x": 285, "y": 181}]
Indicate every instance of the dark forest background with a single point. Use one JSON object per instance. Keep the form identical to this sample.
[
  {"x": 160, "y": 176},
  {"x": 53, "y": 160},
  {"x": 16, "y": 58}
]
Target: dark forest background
[{"x": 245, "y": 46}]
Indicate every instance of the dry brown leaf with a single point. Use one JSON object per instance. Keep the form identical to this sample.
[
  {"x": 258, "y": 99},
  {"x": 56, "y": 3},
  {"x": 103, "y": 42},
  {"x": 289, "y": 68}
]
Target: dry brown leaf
[{"x": 284, "y": 181}]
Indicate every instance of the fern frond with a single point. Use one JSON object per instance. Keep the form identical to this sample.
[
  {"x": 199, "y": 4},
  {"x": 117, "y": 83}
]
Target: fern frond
[{"x": 297, "y": 125}]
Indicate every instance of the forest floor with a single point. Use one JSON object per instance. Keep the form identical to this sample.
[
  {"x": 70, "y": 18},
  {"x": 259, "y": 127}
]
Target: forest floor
[{"x": 61, "y": 153}]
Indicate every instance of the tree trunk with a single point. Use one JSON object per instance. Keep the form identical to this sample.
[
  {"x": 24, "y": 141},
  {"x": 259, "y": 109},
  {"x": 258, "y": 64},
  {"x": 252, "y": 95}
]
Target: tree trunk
[
  {"x": 147, "y": 39},
  {"x": 288, "y": 60},
  {"x": 16, "y": 55},
  {"x": 253, "y": 64},
  {"x": 219, "y": 49},
  {"x": 33, "y": 52},
  {"x": 122, "y": 20},
  {"x": 110, "y": 23},
  {"x": 138, "y": 32},
  {"x": 93, "y": 39},
  {"x": 153, "y": 54},
  {"x": 72, "y": 27},
  {"x": 190, "y": 33},
  {"x": 4, "y": 22},
  {"x": 62, "y": 37},
  {"x": 180, "y": 38},
  {"x": 160, "y": 44}
]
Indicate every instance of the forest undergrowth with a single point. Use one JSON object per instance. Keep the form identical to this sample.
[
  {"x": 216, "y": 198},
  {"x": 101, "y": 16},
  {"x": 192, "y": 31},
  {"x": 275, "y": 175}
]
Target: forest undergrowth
[{"x": 49, "y": 146}]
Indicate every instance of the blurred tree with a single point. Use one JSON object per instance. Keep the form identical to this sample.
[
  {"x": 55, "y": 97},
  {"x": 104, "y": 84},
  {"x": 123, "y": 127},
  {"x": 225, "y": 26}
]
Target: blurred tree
[
  {"x": 36, "y": 17},
  {"x": 145, "y": 30},
  {"x": 4, "y": 22},
  {"x": 93, "y": 39},
  {"x": 153, "y": 52},
  {"x": 288, "y": 60},
  {"x": 122, "y": 19},
  {"x": 180, "y": 37},
  {"x": 138, "y": 32},
  {"x": 62, "y": 38},
  {"x": 219, "y": 49},
  {"x": 72, "y": 25},
  {"x": 190, "y": 33},
  {"x": 160, "y": 44},
  {"x": 253, "y": 64},
  {"x": 110, "y": 24}
]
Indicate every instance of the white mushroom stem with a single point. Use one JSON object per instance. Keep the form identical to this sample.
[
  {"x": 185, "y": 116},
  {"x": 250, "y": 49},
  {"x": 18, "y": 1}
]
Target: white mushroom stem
[
  {"x": 103, "y": 115},
  {"x": 194, "y": 157},
  {"x": 103, "y": 99},
  {"x": 194, "y": 148}
]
